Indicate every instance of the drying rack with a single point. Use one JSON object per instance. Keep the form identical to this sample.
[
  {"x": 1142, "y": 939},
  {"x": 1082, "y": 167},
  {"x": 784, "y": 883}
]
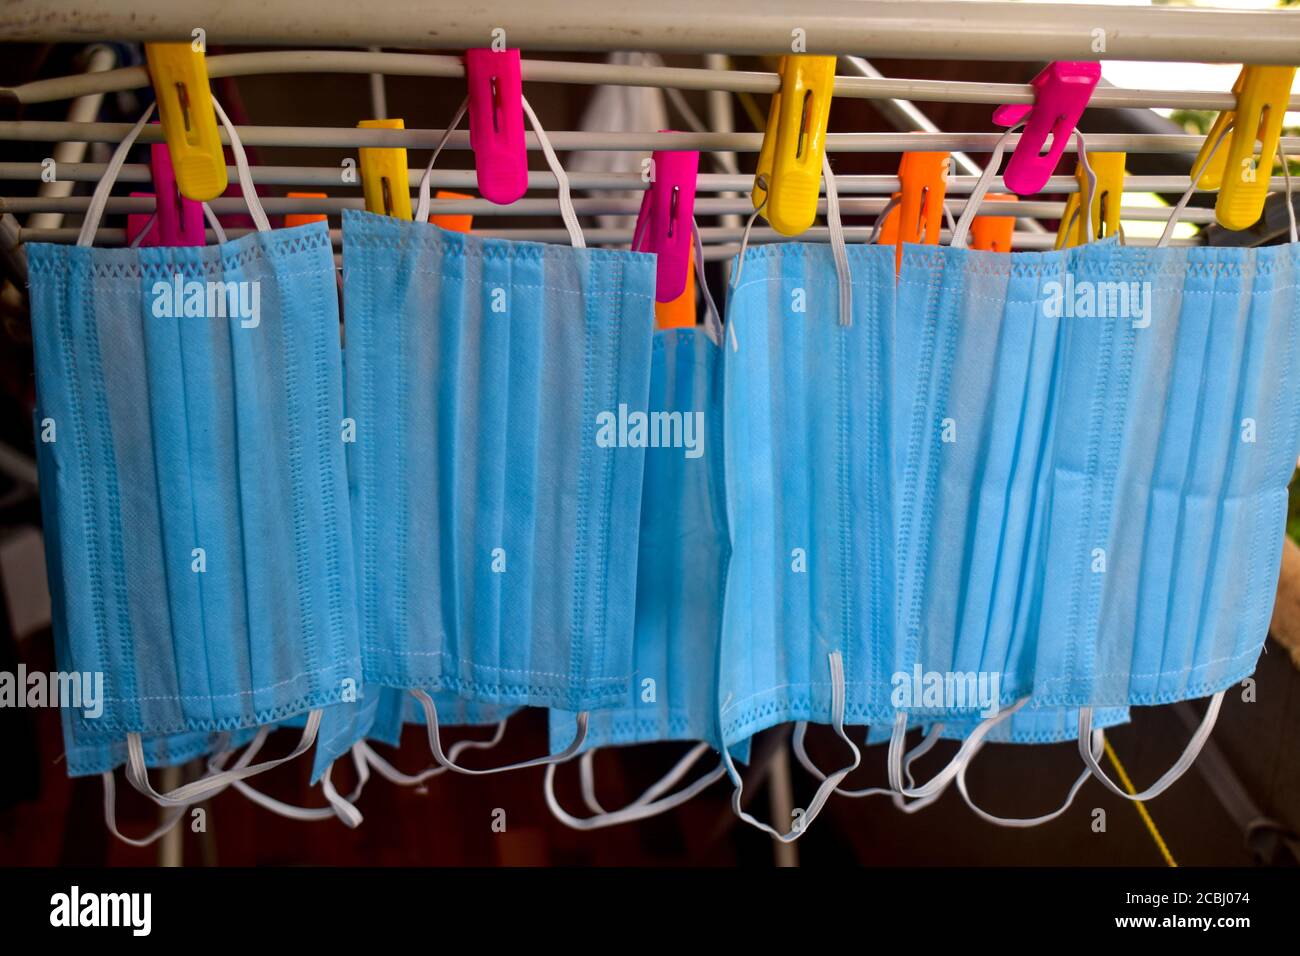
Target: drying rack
[{"x": 348, "y": 38}]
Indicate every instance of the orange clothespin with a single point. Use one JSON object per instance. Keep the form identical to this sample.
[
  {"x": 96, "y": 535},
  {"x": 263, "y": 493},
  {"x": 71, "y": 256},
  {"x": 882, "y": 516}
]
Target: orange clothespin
[
  {"x": 918, "y": 217},
  {"x": 993, "y": 233},
  {"x": 292, "y": 219},
  {"x": 679, "y": 313},
  {"x": 452, "y": 223}
]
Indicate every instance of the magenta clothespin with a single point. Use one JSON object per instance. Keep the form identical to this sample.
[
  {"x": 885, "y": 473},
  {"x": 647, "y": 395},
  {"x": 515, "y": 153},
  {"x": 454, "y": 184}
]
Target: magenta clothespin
[
  {"x": 1061, "y": 93},
  {"x": 180, "y": 220},
  {"x": 177, "y": 221},
  {"x": 664, "y": 224},
  {"x": 496, "y": 123}
]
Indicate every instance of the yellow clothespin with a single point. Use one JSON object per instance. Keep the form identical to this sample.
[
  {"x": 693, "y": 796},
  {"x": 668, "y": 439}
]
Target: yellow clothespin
[
  {"x": 1263, "y": 94},
  {"x": 789, "y": 172},
  {"x": 384, "y": 176},
  {"x": 1107, "y": 196},
  {"x": 180, "y": 85}
]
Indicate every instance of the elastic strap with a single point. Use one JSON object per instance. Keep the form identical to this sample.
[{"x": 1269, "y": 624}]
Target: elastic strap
[
  {"x": 214, "y": 222},
  {"x": 838, "y": 248},
  {"x": 1290, "y": 206},
  {"x": 435, "y": 745},
  {"x": 940, "y": 780},
  {"x": 401, "y": 779},
  {"x": 712, "y": 320},
  {"x": 422, "y": 207},
  {"x": 1177, "y": 211},
  {"x": 647, "y": 805},
  {"x": 99, "y": 199},
  {"x": 567, "y": 212},
  {"x": 341, "y": 807},
  {"x": 1171, "y": 775},
  {"x": 137, "y": 773},
  {"x": 801, "y": 753},
  {"x": 1017, "y": 822},
  {"x": 827, "y": 786},
  {"x": 882, "y": 216},
  {"x": 982, "y": 185},
  {"x": 171, "y": 817}
]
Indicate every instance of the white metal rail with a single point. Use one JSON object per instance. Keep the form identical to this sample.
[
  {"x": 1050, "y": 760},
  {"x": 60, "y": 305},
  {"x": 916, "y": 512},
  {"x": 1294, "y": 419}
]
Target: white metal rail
[{"x": 954, "y": 30}]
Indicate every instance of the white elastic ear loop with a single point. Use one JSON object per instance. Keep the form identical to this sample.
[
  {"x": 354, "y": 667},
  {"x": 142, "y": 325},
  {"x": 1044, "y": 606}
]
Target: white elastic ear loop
[
  {"x": 170, "y": 818},
  {"x": 933, "y": 737},
  {"x": 1177, "y": 211},
  {"x": 246, "y": 185},
  {"x": 401, "y": 779},
  {"x": 882, "y": 216},
  {"x": 422, "y": 207},
  {"x": 1091, "y": 178},
  {"x": 645, "y": 806},
  {"x": 712, "y": 320},
  {"x": 99, "y": 198},
  {"x": 1290, "y": 206},
  {"x": 144, "y": 233},
  {"x": 214, "y": 222},
  {"x": 567, "y": 212},
  {"x": 1171, "y": 775},
  {"x": 137, "y": 774},
  {"x": 940, "y": 780},
  {"x": 827, "y": 786},
  {"x": 341, "y": 807},
  {"x": 981, "y": 187},
  {"x": 744, "y": 242},
  {"x": 1017, "y": 822},
  {"x": 587, "y": 778},
  {"x": 838, "y": 247},
  {"x": 435, "y": 745}
]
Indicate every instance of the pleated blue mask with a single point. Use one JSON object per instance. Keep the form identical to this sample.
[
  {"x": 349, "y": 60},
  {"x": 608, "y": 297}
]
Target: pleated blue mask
[
  {"x": 809, "y": 594},
  {"x": 681, "y": 567},
  {"x": 495, "y": 526},
  {"x": 203, "y": 557},
  {"x": 1135, "y": 426}
]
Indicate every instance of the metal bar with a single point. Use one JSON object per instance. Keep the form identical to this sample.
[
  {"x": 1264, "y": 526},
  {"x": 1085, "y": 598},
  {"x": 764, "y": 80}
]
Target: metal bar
[
  {"x": 82, "y": 110},
  {"x": 905, "y": 114},
  {"x": 953, "y": 30},
  {"x": 710, "y": 235},
  {"x": 349, "y": 137},
  {"x": 559, "y": 71},
  {"x": 466, "y": 179},
  {"x": 612, "y": 206}
]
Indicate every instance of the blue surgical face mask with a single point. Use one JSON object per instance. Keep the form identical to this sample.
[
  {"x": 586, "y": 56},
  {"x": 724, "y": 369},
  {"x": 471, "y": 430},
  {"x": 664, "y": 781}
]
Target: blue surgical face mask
[
  {"x": 683, "y": 551},
  {"x": 1145, "y": 520},
  {"x": 196, "y": 477},
  {"x": 495, "y": 506},
  {"x": 810, "y": 586}
]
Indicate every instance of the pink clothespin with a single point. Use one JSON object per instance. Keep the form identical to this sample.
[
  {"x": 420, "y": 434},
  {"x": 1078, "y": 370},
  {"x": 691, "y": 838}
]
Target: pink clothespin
[
  {"x": 496, "y": 123},
  {"x": 178, "y": 221},
  {"x": 664, "y": 224},
  {"x": 1061, "y": 93}
]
